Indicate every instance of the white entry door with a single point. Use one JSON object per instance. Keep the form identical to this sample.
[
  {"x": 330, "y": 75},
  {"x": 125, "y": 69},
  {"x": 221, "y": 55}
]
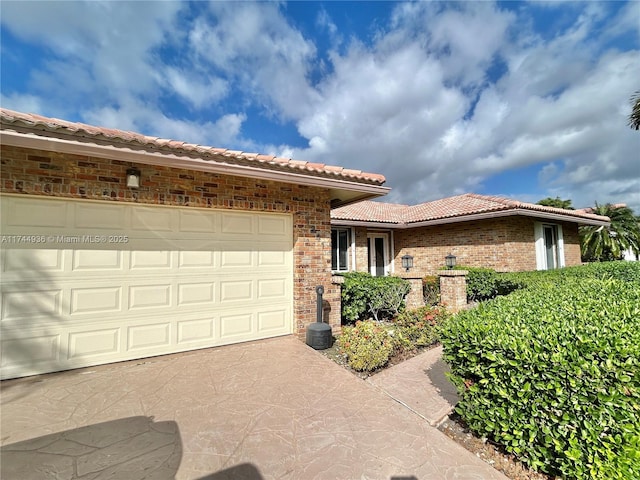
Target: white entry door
[
  {"x": 88, "y": 282},
  {"x": 378, "y": 245}
]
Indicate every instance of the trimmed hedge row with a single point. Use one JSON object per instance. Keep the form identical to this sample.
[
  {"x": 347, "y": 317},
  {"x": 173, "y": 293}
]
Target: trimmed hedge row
[{"x": 552, "y": 372}]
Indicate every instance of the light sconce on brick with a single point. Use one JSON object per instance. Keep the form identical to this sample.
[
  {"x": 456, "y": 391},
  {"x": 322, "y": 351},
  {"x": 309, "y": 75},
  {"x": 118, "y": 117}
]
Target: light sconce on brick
[
  {"x": 450, "y": 261},
  {"x": 407, "y": 262},
  {"x": 133, "y": 178}
]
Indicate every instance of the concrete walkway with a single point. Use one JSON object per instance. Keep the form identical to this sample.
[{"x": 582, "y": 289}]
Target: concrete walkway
[
  {"x": 261, "y": 410},
  {"x": 421, "y": 385}
]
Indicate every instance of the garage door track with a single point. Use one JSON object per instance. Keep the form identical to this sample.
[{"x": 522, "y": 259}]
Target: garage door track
[{"x": 259, "y": 410}]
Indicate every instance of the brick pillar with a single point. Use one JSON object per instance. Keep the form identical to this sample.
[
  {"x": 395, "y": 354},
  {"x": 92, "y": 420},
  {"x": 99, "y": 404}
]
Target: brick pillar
[
  {"x": 415, "y": 298},
  {"x": 333, "y": 304},
  {"x": 453, "y": 289}
]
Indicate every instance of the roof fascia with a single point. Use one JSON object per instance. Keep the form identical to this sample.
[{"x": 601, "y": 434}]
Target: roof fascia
[
  {"x": 55, "y": 144},
  {"x": 360, "y": 223}
]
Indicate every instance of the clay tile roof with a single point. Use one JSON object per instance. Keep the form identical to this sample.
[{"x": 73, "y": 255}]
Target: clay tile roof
[
  {"x": 368, "y": 211},
  {"x": 38, "y": 124},
  {"x": 459, "y": 206}
]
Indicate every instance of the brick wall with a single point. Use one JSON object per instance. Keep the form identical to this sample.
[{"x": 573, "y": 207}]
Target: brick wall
[
  {"x": 505, "y": 244},
  {"x": 39, "y": 172}
]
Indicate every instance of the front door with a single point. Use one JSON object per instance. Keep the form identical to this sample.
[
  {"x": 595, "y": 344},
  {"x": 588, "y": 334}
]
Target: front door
[
  {"x": 378, "y": 254},
  {"x": 551, "y": 246}
]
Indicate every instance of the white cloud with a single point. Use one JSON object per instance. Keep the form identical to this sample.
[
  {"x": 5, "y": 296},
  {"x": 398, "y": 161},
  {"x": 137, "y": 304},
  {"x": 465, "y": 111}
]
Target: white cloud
[
  {"x": 196, "y": 91},
  {"x": 138, "y": 117},
  {"x": 421, "y": 104},
  {"x": 253, "y": 44},
  {"x": 23, "y": 103}
]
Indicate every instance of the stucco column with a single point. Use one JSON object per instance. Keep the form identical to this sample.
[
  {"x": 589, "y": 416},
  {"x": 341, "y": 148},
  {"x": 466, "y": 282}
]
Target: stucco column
[{"x": 453, "y": 289}]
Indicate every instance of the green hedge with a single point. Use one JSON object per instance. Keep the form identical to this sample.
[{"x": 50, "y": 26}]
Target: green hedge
[
  {"x": 365, "y": 296},
  {"x": 552, "y": 372}
]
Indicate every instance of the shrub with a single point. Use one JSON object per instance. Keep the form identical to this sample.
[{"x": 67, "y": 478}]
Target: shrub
[
  {"x": 364, "y": 295},
  {"x": 486, "y": 283},
  {"x": 481, "y": 283},
  {"x": 418, "y": 328},
  {"x": 552, "y": 372},
  {"x": 431, "y": 290},
  {"x": 367, "y": 345}
]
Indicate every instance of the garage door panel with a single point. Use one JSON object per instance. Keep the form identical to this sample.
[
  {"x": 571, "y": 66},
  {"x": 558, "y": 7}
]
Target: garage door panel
[
  {"x": 275, "y": 320},
  {"x": 272, "y": 288},
  {"x": 236, "y": 259},
  {"x": 100, "y": 342},
  {"x": 19, "y": 262},
  {"x": 237, "y": 224},
  {"x": 35, "y": 213},
  {"x": 236, "y": 291},
  {"x": 196, "y": 331},
  {"x": 184, "y": 278},
  {"x": 26, "y": 301},
  {"x": 272, "y": 226},
  {"x": 151, "y": 336},
  {"x": 97, "y": 216},
  {"x": 149, "y": 296},
  {"x": 96, "y": 300},
  {"x": 198, "y": 222},
  {"x": 97, "y": 260},
  {"x": 28, "y": 349},
  {"x": 195, "y": 259},
  {"x": 152, "y": 219},
  {"x": 232, "y": 326},
  {"x": 150, "y": 259},
  {"x": 272, "y": 258},
  {"x": 196, "y": 294}
]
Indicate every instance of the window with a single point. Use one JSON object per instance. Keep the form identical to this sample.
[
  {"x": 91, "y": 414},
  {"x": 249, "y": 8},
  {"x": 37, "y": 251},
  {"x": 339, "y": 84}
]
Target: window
[
  {"x": 549, "y": 246},
  {"x": 340, "y": 249}
]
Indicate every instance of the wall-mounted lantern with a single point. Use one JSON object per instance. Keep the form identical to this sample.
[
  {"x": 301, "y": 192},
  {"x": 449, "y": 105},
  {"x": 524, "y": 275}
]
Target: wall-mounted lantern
[
  {"x": 407, "y": 262},
  {"x": 450, "y": 261},
  {"x": 133, "y": 178}
]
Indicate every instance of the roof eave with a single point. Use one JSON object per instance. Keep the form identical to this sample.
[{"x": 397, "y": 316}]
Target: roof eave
[
  {"x": 558, "y": 217},
  {"x": 342, "y": 191}
]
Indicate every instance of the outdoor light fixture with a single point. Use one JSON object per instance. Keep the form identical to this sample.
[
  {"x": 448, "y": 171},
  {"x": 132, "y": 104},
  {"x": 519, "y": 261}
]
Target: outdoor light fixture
[
  {"x": 133, "y": 178},
  {"x": 450, "y": 261},
  {"x": 407, "y": 262}
]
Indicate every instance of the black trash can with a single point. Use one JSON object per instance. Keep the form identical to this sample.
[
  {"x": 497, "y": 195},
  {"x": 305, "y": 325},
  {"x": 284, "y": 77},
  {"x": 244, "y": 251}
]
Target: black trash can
[{"x": 319, "y": 333}]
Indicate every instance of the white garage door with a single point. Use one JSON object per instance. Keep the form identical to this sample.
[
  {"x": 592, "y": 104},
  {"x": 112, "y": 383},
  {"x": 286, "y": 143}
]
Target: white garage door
[{"x": 86, "y": 283}]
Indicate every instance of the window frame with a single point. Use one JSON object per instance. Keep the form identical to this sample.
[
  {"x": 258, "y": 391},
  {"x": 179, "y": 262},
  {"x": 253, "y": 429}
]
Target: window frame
[
  {"x": 336, "y": 249},
  {"x": 540, "y": 246}
]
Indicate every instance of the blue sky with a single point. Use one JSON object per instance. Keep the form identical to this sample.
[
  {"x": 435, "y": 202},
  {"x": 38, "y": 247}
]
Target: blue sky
[{"x": 520, "y": 99}]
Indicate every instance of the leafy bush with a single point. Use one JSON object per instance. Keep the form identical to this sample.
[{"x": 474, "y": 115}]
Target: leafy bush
[
  {"x": 552, "y": 372},
  {"x": 431, "y": 289},
  {"x": 418, "y": 328},
  {"x": 486, "y": 283},
  {"x": 367, "y": 345},
  {"x": 364, "y": 295}
]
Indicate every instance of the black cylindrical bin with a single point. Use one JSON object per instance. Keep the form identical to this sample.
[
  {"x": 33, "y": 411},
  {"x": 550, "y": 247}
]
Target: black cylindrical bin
[{"x": 319, "y": 333}]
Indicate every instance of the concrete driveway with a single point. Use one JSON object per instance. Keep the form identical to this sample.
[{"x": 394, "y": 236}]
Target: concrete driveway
[{"x": 260, "y": 410}]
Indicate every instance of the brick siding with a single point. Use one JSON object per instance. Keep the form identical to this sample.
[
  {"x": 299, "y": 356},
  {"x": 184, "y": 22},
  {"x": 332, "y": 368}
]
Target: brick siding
[
  {"x": 38, "y": 172},
  {"x": 504, "y": 244}
]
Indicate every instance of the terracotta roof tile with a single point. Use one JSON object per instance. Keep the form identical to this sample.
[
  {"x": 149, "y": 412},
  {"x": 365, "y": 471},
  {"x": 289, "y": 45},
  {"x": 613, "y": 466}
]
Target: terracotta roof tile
[
  {"x": 458, "y": 206},
  {"x": 10, "y": 119}
]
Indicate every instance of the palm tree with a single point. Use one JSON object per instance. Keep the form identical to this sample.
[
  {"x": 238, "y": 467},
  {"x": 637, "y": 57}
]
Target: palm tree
[
  {"x": 634, "y": 116},
  {"x": 609, "y": 243}
]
